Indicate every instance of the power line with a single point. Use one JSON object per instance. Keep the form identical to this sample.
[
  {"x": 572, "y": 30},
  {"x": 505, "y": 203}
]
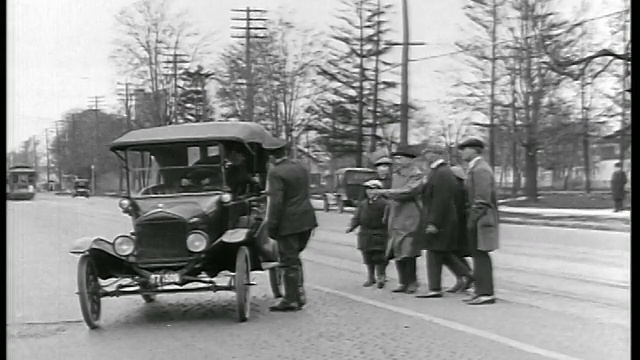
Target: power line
[{"x": 506, "y": 41}]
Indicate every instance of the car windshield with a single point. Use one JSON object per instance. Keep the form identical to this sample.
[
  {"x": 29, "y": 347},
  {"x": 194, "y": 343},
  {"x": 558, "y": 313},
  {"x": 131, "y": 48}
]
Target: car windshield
[{"x": 169, "y": 170}]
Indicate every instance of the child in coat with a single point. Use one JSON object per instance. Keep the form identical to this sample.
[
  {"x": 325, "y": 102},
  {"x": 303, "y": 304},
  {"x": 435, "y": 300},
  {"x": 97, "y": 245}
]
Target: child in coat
[{"x": 371, "y": 215}]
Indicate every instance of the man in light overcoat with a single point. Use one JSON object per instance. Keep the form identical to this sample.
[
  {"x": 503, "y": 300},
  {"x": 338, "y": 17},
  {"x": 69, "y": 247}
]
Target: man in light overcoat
[
  {"x": 404, "y": 217},
  {"x": 482, "y": 220}
]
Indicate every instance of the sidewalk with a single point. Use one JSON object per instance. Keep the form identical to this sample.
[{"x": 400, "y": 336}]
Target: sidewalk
[{"x": 594, "y": 213}]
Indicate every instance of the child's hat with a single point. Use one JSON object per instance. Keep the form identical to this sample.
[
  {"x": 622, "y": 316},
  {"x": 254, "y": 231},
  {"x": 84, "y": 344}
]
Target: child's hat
[{"x": 373, "y": 184}]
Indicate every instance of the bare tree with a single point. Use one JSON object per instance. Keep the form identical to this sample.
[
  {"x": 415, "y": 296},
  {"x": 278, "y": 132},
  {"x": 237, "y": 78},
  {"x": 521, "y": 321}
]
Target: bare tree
[{"x": 147, "y": 31}]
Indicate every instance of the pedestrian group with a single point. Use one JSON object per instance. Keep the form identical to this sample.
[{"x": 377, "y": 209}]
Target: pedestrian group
[{"x": 447, "y": 211}]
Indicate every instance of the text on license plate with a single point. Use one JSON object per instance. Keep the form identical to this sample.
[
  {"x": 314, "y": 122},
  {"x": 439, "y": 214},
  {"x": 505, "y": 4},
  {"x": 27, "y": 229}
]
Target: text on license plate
[{"x": 164, "y": 279}]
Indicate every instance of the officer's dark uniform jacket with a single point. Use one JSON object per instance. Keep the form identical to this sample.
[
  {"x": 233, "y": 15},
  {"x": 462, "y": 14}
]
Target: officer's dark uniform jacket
[
  {"x": 289, "y": 210},
  {"x": 371, "y": 216}
]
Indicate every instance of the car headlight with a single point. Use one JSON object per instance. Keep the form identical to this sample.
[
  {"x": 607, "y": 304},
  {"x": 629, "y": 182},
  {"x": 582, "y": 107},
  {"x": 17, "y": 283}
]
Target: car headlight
[
  {"x": 123, "y": 245},
  {"x": 124, "y": 204},
  {"x": 225, "y": 198},
  {"x": 197, "y": 241}
]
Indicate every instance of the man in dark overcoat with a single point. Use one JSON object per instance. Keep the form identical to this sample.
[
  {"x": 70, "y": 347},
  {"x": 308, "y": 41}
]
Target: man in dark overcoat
[
  {"x": 440, "y": 223},
  {"x": 404, "y": 217},
  {"x": 462, "y": 284},
  {"x": 290, "y": 220},
  {"x": 618, "y": 182},
  {"x": 482, "y": 221}
]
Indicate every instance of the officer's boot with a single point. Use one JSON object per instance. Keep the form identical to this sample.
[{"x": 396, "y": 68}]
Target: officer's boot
[
  {"x": 371, "y": 278},
  {"x": 402, "y": 278},
  {"x": 381, "y": 270},
  {"x": 302, "y": 296},
  {"x": 412, "y": 276},
  {"x": 291, "y": 286}
]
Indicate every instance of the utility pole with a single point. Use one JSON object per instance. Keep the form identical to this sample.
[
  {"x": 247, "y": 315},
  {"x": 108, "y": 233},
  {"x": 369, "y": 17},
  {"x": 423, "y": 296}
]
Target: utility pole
[
  {"x": 126, "y": 97},
  {"x": 46, "y": 144},
  {"x": 248, "y": 27},
  {"x": 404, "y": 89},
  {"x": 35, "y": 153},
  {"x": 176, "y": 58},
  {"x": 96, "y": 108},
  {"x": 59, "y": 157}
]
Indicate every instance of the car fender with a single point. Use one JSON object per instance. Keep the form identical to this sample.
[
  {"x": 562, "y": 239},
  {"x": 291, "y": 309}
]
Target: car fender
[
  {"x": 82, "y": 245},
  {"x": 234, "y": 236}
]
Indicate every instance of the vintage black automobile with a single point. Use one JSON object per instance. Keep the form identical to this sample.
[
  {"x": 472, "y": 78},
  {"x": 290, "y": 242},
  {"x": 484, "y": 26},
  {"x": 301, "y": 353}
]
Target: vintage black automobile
[
  {"x": 348, "y": 188},
  {"x": 81, "y": 188},
  {"x": 21, "y": 182},
  {"x": 195, "y": 196}
]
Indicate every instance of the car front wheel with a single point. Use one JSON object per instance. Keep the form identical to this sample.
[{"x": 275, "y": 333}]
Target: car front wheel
[
  {"x": 89, "y": 291},
  {"x": 242, "y": 283}
]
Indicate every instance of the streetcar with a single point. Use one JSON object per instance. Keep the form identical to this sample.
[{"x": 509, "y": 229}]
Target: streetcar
[{"x": 21, "y": 182}]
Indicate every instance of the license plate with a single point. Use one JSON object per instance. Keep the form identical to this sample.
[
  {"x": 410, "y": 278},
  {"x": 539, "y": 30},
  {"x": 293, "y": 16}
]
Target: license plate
[{"x": 165, "y": 279}]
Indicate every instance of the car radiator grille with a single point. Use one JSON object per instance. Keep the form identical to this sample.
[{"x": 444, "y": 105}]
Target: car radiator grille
[{"x": 161, "y": 240}]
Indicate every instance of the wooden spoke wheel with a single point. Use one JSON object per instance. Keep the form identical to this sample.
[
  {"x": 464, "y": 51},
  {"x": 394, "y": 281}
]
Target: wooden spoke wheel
[
  {"x": 242, "y": 282},
  {"x": 89, "y": 291}
]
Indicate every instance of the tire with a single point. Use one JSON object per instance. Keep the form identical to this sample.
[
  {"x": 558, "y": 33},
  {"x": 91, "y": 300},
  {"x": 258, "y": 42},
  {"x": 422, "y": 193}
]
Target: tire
[
  {"x": 242, "y": 280},
  {"x": 148, "y": 298},
  {"x": 89, "y": 291},
  {"x": 276, "y": 281}
]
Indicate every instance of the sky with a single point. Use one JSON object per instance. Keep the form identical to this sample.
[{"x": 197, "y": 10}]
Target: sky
[{"x": 58, "y": 50}]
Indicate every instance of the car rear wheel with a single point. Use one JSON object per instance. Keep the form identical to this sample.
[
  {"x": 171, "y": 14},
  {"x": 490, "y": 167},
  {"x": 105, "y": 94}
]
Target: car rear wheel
[
  {"x": 89, "y": 291},
  {"x": 242, "y": 283},
  {"x": 276, "y": 280}
]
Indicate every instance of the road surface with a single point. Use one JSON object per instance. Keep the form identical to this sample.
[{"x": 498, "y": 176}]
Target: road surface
[{"x": 563, "y": 294}]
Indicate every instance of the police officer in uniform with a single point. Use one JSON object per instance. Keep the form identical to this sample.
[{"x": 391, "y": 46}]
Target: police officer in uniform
[{"x": 290, "y": 220}]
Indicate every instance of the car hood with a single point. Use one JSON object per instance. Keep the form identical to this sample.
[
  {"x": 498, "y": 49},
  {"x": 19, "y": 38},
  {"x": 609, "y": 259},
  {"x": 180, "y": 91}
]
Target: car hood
[{"x": 151, "y": 209}]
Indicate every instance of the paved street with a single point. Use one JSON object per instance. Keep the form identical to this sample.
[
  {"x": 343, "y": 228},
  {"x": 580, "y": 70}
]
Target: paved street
[{"x": 563, "y": 294}]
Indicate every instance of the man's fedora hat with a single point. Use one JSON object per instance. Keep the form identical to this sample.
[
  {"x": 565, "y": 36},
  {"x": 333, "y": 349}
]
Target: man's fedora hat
[
  {"x": 406, "y": 151},
  {"x": 472, "y": 143}
]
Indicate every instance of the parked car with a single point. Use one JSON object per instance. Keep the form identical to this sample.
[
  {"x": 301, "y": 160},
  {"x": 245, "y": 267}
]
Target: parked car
[
  {"x": 348, "y": 187},
  {"x": 189, "y": 228}
]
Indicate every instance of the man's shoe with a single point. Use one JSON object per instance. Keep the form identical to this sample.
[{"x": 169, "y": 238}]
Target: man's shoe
[
  {"x": 411, "y": 288},
  {"x": 369, "y": 283},
  {"x": 284, "y": 305},
  {"x": 470, "y": 298},
  {"x": 459, "y": 286},
  {"x": 482, "y": 300},
  {"x": 380, "y": 282},
  {"x": 430, "y": 295},
  {"x": 400, "y": 289}
]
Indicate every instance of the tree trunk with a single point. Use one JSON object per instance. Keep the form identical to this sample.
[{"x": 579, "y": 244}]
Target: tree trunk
[
  {"x": 359, "y": 144},
  {"x": 374, "y": 126},
  {"x": 585, "y": 138},
  {"x": 531, "y": 172}
]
